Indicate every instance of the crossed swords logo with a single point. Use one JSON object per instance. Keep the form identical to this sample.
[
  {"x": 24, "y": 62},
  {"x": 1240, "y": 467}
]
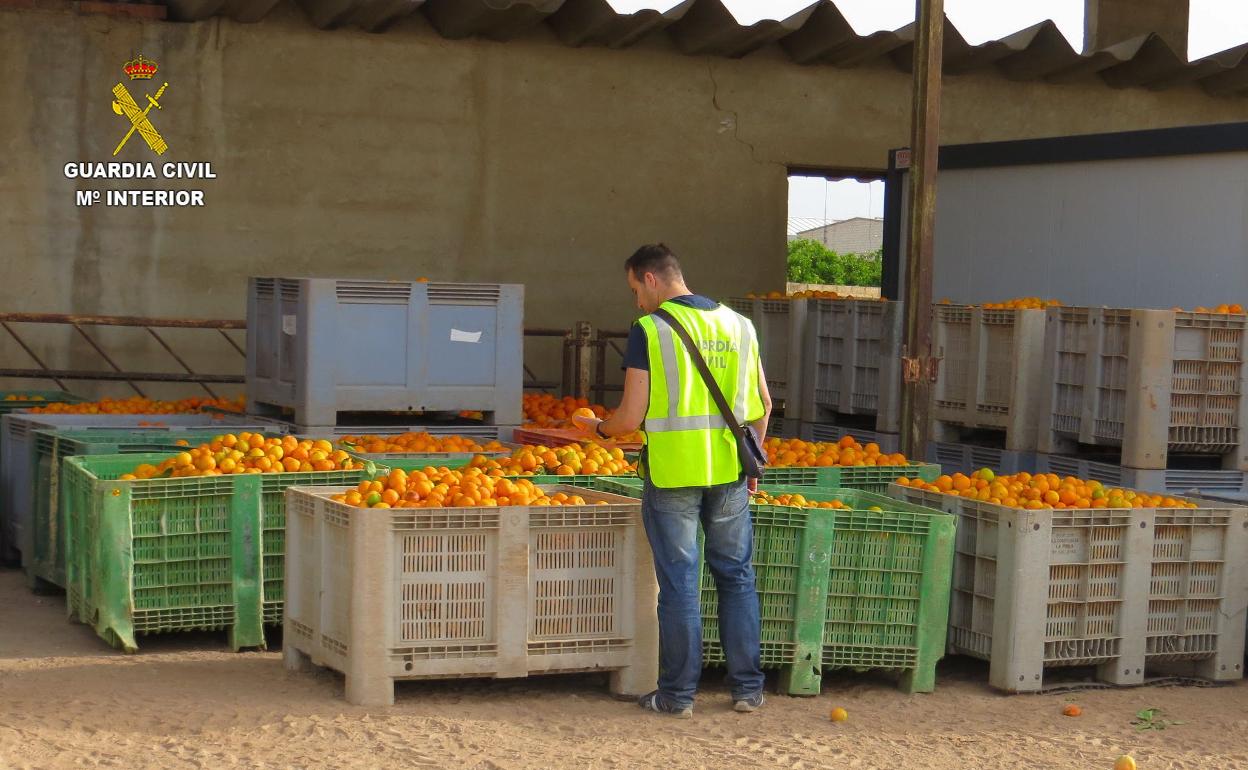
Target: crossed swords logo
[{"x": 125, "y": 105}]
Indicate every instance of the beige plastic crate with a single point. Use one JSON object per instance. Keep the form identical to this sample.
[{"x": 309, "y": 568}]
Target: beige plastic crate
[
  {"x": 409, "y": 593},
  {"x": 1131, "y": 591},
  {"x": 989, "y": 373},
  {"x": 1149, "y": 381}
]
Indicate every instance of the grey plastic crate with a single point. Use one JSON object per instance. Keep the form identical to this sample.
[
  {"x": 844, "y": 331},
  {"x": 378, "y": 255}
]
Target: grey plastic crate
[
  {"x": 989, "y": 373},
  {"x": 851, "y": 361},
  {"x": 774, "y": 321},
  {"x": 1184, "y": 481},
  {"x": 967, "y": 458},
  {"x": 16, "y": 452},
  {"x": 320, "y": 346},
  {"x": 782, "y": 427},
  {"x": 824, "y": 432},
  {"x": 1152, "y": 382},
  {"x": 1130, "y": 591}
]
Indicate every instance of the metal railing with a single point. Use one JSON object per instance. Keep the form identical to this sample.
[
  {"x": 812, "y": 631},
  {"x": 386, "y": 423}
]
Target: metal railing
[
  {"x": 78, "y": 324},
  {"x": 584, "y": 353}
]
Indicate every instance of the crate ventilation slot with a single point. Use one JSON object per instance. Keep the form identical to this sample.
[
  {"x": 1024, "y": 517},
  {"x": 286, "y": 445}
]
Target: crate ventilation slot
[
  {"x": 460, "y": 293},
  {"x": 374, "y": 292}
]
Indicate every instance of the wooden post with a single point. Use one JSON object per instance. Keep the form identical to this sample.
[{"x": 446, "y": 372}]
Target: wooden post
[{"x": 918, "y": 369}]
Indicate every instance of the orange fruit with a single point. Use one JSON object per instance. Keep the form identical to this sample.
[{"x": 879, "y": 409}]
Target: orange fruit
[
  {"x": 1125, "y": 762},
  {"x": 1072, "y": 710},
  {"x": 1045, "y": 491},
  {"x": 839, "y": 714}
]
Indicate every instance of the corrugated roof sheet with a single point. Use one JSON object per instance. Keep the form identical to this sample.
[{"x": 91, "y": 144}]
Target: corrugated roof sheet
[{"x": 818, "y": 34}]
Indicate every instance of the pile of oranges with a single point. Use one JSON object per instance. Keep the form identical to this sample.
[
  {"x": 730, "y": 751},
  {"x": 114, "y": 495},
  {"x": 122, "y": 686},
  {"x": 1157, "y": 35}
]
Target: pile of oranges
[
  {"x": 795, "y": 501},
  {"x": 799, "y": 501},
  {"x": 1224, "y": 309},
  {"x": 416, "y": 443},
  {"x": 816, "y": 294},
  {"x": 249, "y": 453},
  {"x": 543, "y": 410},
  {"x": 847, "y": 452},
  {"x": 1042, "y": 491},
  {"x": 139, "y": 405},
  {"x": 809, "y": 294},
  {"x": 1022, "y": 303},
  {"x": 1019, "y": 303},
  {"x": 23, "y": 397},
  {"x": 584, "y": 459},
  {"x": 469, "y": 488}
]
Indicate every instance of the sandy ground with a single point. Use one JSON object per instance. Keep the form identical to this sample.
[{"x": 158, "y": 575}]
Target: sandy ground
[{"x": 67, "y": 700}]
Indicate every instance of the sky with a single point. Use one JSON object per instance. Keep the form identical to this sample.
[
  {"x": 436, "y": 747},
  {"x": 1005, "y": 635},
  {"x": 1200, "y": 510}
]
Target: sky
[{"x": 1215, "y": 25}]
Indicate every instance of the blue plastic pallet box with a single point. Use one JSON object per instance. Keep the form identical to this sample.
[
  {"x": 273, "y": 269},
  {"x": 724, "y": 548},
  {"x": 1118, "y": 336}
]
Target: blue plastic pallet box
[{"x": 320, "y": 346}]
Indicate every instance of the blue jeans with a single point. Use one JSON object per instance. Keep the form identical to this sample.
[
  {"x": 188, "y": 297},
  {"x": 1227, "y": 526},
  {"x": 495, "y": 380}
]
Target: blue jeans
[{"x": 671, "y": 518}]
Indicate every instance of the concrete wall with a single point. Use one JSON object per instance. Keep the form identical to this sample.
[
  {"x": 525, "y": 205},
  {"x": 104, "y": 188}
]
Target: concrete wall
[{"x": 404, "y": 154}]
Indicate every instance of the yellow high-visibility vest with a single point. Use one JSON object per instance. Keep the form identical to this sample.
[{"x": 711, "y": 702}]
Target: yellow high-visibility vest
[{"x": 688, "y": 441}]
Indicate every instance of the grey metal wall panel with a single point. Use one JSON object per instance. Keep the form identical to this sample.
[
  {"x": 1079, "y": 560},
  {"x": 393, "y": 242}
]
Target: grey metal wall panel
[{"x": 1156, "y": 232}]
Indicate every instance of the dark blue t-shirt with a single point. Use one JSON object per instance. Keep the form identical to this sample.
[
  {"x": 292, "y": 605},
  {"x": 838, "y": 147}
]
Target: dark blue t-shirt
[{"x": 636, "y": 355}]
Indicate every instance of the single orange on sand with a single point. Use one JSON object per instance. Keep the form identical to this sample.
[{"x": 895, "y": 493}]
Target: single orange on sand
[
  {"x": 1125, "y": 762},
  {"x": 1072, "y": 710},
  {"x": 838, "y": 714}
]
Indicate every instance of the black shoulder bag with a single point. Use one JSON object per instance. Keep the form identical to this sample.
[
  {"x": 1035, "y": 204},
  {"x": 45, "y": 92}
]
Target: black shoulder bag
[{"x": 749, "y": 449}]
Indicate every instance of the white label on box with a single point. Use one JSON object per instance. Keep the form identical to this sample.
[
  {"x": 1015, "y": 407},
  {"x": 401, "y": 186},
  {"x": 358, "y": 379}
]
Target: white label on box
[
  {"x": 461, "y": 336},
  {"x": 288, "y": 325}
]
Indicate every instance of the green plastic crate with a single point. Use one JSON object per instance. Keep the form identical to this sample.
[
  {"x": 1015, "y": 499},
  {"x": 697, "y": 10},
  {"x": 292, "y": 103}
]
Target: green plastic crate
[
  {"x": 844, "y": 588},
  {"x": 789, "y": 600},
  {"x": 45, "y": 397},
  {"x": 629, "y": 486},
  {"x": 177, "y": 554},
  {"x": 865, "y": 478},
  {"x": 408, "y": 464},
  {"x": 416, "y": 460},
  {"x": 436, "y": 459},
  {"x": 43, "y": 552},
  {"x": 840, "y": 588},
  {"x": 870, "y": 478}
]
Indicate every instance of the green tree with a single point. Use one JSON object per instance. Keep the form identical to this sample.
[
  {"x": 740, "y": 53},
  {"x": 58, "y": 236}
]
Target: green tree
[{"x": 812, "y": 262}]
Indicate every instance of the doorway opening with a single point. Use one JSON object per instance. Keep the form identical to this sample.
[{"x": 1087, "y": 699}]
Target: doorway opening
[{"x": 835, "y": 232}]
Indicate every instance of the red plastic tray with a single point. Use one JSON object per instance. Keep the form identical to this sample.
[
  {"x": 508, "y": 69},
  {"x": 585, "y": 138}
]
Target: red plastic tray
[{"x": 565, "y": 436}]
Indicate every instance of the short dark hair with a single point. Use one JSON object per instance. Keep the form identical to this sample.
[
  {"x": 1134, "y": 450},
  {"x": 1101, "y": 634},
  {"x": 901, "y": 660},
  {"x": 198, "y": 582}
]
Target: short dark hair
[{"x": 654, "y": 258}]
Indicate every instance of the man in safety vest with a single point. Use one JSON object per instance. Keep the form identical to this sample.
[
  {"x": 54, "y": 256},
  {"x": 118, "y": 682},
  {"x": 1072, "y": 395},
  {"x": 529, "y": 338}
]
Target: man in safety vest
[{"x": 692, "y": 474}]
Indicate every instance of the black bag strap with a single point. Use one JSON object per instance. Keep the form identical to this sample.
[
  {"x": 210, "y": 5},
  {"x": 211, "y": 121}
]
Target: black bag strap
[{"x": 717, "y": 393}]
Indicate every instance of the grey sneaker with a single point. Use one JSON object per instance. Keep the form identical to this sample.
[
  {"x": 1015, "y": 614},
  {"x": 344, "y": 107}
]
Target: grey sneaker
[
  {"x": 655, "y": 702},
  {"x": 747, "y": 704}
]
